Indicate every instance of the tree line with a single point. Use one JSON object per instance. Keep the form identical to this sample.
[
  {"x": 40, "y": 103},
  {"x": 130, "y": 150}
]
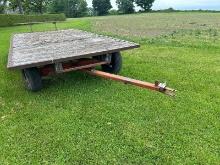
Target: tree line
[{"x": 73, "y": 8}]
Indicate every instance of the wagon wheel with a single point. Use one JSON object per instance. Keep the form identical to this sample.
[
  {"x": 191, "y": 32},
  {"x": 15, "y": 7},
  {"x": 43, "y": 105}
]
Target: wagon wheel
[
  {"x": 115, "y": 64},
  {"x": 32, "y": 79}
]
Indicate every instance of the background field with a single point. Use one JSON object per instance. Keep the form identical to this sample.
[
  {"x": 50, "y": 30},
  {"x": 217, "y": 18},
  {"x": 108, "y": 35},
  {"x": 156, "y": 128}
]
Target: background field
[
  {"x": 155, "y": 24},
  {"x": 79, "y": 119}
]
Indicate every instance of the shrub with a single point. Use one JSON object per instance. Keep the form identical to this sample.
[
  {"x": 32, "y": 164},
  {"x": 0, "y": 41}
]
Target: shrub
[
  {"x": 113, "y": 12},
  {"x": 14, "y": 19}
]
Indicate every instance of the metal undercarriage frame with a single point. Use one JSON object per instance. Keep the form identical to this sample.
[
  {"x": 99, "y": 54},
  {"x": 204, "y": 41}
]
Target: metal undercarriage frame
[{"x": 88, "y": 66}]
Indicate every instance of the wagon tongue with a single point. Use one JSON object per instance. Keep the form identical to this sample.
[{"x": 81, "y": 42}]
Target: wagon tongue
[{"x": 157, "y": 86}]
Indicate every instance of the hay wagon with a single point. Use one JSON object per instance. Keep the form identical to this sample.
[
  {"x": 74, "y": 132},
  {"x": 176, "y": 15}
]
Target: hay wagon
[{"x": 42, "y": 54}]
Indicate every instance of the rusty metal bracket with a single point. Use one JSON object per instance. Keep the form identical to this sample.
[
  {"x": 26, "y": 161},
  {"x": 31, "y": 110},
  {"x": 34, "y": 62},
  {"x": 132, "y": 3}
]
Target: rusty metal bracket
[
  {"x": 59, "y": 67},
  {"x": 164, "y": 89}
]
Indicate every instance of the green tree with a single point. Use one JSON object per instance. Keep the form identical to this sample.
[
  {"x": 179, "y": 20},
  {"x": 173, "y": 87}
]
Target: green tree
[
  {"x": 90, "y": 11},
  {"x": 71, "y": 8},
  {"x": 39, "y": 6},
  {"x": 2, "y": 6},
  {"x": 125, "y": 6},
  {"x": 77, "y": 8},
  {"x": 57, "y": 6},
  {"x": 145, "y": 4},
  {"x": 101, "y": 7},
  {"x": 29, "y": 6},
  {"x": 17, "y": 4}
]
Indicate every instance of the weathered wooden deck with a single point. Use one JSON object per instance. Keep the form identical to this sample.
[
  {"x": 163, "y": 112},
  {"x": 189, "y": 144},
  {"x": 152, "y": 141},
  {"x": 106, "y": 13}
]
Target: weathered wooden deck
[{"x": 41, "y": 48}]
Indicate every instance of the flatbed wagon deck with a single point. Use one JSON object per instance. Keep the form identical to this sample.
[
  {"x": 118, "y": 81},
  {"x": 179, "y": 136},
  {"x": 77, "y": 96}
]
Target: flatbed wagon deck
[{"x": 42, "y": 48}]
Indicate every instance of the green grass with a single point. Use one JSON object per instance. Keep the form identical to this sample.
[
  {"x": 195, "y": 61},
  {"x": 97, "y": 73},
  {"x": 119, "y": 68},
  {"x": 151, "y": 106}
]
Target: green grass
[{"x": 80, "y": 119}]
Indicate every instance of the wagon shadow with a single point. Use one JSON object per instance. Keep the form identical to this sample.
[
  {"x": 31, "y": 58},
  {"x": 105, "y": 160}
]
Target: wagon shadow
[{"x": 76, "y": 80}]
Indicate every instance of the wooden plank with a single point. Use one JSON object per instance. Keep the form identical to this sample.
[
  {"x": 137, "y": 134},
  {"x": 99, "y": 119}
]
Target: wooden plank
[{"x": 41, "y": 48}]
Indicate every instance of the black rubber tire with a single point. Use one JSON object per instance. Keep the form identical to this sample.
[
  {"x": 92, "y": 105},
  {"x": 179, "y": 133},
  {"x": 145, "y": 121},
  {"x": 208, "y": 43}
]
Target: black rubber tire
[
  {"x": 116, "y": 64},
  {"x": 32, "y": 79}
]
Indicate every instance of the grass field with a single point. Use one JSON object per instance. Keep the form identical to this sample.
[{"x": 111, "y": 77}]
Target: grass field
[
  {"x": 80, "y": 119},
  {"x": 155, "y": 24}
]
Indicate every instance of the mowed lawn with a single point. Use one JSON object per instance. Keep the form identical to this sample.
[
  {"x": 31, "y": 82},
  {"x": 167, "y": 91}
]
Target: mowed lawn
[{"x": 80, "y": 119}]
